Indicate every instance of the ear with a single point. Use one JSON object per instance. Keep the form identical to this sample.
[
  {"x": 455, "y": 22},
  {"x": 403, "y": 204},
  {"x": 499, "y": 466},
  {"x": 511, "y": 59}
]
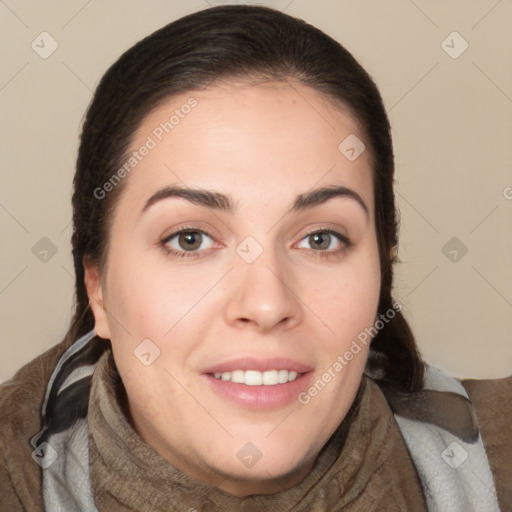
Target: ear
[{"x": 94, "y": 291}]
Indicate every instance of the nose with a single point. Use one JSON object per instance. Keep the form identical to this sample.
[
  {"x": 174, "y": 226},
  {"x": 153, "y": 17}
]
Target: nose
[{"x": 263, "y": 295}]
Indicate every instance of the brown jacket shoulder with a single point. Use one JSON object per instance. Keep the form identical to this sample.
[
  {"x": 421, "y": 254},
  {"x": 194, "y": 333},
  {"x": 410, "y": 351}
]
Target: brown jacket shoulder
[
  {"x": 20, "y": 403},
  {"x": 492, "y": 400}
]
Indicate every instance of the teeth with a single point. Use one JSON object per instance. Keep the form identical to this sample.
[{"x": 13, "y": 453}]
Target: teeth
[
  {"x": 271, "y": 378},
  {"x": 282, "y": 376},
  {"x": 237, "y": 376},
  {"x": 252, "y": 378},
  {"x": 256, "y": 378}
]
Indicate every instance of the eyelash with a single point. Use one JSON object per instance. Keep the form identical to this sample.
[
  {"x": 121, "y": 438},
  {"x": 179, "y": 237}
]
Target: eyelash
[{"x": 197, "y": 254}]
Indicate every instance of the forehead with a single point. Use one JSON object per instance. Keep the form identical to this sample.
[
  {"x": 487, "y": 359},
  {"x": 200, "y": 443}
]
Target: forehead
[{"x": 245, "y": 139}]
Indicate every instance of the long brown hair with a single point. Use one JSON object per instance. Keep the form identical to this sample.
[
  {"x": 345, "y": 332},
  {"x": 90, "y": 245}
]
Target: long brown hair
[{"x": 229, "y": 42}]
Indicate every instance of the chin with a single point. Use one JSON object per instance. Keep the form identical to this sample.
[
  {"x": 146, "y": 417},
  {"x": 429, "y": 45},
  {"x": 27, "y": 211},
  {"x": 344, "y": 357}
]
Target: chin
[
  {"x": 264, "y": 461},
  {"x": 265, "y": 477}
]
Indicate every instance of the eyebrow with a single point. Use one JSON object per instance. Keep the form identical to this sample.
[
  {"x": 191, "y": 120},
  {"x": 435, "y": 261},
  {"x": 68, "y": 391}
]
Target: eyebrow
[{"x": 222, "y": 202}]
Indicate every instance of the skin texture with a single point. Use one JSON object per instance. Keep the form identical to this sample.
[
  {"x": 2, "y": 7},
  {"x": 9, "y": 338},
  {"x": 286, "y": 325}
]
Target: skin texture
[{"x": 262, "y": 144}]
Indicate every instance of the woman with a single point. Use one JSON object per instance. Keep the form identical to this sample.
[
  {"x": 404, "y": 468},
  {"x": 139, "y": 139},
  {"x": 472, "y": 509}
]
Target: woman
[{"x": 235, "y": 344}]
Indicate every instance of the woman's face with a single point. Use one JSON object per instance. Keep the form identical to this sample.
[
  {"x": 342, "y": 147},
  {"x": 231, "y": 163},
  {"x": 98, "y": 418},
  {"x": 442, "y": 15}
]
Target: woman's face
[{"x": 269, "y": 281}]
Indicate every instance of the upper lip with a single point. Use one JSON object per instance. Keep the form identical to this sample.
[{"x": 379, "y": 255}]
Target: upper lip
[{"x": 260, "y": 364}]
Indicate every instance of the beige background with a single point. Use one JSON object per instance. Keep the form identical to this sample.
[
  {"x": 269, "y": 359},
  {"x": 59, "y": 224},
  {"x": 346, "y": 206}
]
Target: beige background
[{"x": 452, "y": 126}]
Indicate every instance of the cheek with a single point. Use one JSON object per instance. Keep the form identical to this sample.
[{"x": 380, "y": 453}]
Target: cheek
[
  {"x": 347, "y": 304},
  {"x": 347, "y": 301},
  {"x": 148, "y": 298}
]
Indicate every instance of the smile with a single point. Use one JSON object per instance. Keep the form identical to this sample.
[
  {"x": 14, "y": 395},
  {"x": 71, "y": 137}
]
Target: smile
[{"x": 259, "y": 383}]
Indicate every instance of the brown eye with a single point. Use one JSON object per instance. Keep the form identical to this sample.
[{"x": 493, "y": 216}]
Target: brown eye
[
  {"x": 190, "y": 241},
  {"x": 326, "y": 241},
  {"x": 320, "y": 241}
]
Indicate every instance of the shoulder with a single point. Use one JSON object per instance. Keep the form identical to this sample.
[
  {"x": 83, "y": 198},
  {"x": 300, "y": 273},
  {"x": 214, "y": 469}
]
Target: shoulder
[
  {"x": 491, "y": 394},
  {"x": 20, "y": 403},
  {"x": 492, "y": 402}
]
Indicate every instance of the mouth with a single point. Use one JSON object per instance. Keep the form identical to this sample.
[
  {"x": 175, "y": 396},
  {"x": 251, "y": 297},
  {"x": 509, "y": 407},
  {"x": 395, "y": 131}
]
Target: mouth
[{"x": 259, "y": 384}]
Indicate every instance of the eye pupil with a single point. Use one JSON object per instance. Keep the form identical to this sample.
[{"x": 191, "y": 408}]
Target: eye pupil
[
  {"x": 190, "y": 241},
  {"x": 320, "y": 240}
]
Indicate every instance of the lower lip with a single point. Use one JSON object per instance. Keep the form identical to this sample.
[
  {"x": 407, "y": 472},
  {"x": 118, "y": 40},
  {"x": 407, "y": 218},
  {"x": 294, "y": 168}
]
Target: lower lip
[{"x": 261, "y": 397}]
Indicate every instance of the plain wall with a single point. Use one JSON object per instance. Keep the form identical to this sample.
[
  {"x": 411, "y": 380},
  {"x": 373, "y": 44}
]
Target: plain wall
[{"x": 452, "y": 126}]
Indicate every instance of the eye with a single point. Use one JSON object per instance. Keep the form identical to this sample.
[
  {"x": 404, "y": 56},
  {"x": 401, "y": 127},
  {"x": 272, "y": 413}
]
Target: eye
[
  {"x": 189, "y": 241},
  {"x": 325, "y": 240}
]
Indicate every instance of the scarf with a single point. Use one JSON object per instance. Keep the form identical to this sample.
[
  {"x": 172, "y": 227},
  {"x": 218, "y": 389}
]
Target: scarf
[{"x": 437, "y": 425}]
